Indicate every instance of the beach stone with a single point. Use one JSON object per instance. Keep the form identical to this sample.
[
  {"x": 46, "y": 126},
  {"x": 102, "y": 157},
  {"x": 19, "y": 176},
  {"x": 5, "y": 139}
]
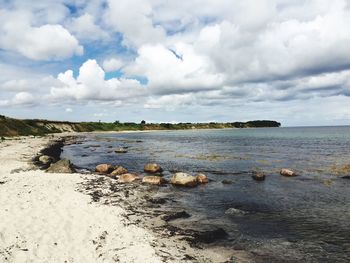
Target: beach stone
[
  {"x": 119, "y": 170},
  {"x": 45, "y": 159},
  {"x": 184, "y": 179},
  {"x": 152, "y": 168},
  {"x": 258, "y": 176},
  {"x": 128, "y": 178},
  {"x": 288, "y": 173},
  {"x": 104, "y": 168},
  {"x": 202, "y": 178},
  {"x": 155, "y": 180},
  {"x": 62, "y": 166}
]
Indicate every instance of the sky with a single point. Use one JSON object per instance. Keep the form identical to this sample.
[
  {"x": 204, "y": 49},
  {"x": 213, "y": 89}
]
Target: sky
[{"x": 176, "y": 61}]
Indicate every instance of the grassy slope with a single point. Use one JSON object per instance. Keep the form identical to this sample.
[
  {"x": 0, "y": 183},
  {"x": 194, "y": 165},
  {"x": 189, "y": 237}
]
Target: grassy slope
[{"x": 15, "y": 127}]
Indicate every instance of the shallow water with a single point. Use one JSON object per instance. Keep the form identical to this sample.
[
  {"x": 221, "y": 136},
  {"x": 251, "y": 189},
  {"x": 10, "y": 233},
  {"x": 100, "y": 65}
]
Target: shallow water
[{"x": 304, "y": 218}]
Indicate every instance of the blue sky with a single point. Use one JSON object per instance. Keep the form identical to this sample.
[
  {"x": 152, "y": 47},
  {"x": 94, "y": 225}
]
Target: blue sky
[{"x": 165, "y": 61}]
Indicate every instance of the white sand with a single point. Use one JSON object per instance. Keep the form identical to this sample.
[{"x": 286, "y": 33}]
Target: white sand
[{"x": 44, "y": 219}]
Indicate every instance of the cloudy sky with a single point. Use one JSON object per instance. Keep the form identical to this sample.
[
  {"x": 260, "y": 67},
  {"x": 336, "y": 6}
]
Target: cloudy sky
[{"x": 176, "y": 61}]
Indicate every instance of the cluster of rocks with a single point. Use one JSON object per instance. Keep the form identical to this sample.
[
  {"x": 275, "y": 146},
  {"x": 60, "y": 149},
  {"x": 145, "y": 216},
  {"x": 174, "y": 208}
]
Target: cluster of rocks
[
  {"x": 259, "y": 176},
  {"x": 153, "y": 177},
  {"x": 49, "y": 157}
]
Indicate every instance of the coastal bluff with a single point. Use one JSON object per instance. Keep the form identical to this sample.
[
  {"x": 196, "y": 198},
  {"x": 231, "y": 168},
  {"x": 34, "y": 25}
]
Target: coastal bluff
[{"x": 18, "y": 127}]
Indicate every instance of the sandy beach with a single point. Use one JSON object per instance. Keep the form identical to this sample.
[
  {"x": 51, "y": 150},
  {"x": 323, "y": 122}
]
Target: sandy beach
[{"x": 48, "y": 218}]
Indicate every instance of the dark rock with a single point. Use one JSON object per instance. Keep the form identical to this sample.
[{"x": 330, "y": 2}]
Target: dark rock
[
  {"x": 227, "y": 182},
  {"x": 210, "y": 236},
  {"x": 346, "y": 177},
  {"x": 121, "y": 150},
  {"x": 62, "y": 166},
  {"x": 258, "y": 176},
  {"x": 176, "y": 215}
]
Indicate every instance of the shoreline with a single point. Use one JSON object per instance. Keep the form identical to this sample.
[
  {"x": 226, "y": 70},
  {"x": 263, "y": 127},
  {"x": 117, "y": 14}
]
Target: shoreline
[{"x": 54, "y": 217}]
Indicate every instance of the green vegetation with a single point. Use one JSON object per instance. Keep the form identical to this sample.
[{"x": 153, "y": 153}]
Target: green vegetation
[{"x": 15, "y": 127}]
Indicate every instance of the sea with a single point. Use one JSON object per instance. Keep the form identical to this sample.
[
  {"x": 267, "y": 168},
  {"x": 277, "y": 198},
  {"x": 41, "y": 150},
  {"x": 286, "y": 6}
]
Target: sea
[{"x": 281, "y": 219}]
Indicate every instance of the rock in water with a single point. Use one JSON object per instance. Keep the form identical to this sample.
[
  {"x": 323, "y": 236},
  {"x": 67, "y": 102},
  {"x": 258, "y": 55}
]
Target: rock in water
[
  {"x": 155, "y": 180},
  {"x": 104, "y": 168},
  {"x": 288, "y": 173},
  {"x": 227, "y": 182},
  {"x": 152, "y": 168},
  {"x": 128, "y": 178},
  {"x": 183, "y": 179},
  {"x": 202, "y": 178},
  {"x": 45, "y": 159},
  {"x": 121, "y": 150},
  {"x": 258, "y": 176},
  {"x": 62, "y": 166},
  {"x": 119, "y": 170}
]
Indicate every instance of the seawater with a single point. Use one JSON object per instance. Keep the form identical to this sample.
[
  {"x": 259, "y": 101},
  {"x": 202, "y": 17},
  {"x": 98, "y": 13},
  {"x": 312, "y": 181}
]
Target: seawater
[{"x": 299, "y": 219}]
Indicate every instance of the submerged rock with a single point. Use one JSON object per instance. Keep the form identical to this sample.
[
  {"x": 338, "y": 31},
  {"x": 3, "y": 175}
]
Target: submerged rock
[
  {"x": 258, "y": 176},
  {"x": 176, "y": 215},
  {"x": 62, "y": 166},
  {"x": 288, "y": 173},
  {"x": 155, "y": 180},
  {"x": 184, "y": 179},
  {"x": 202, "y": 178},
  {"x": 128, "y": 178},
  {"x": 104, "y": 168},
  {"x": 227, "y": 182},
  {"x": 152, "y": 168},
  {"x": 119, "y": 170},
  {"x": 210, "y": 236}
]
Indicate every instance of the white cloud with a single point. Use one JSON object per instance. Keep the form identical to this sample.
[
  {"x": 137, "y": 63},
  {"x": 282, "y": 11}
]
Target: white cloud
[
  {"x": 43, "y": 42},
  {"x": 112, "y": 64},
  {"x": 133, "y": 18},
  {"x": 91, "y": 85},
  {"x": 20, "y": 99},
  {"x": 175, "y": 71},
  {"x": 84, "y": 27},
  {"x": 69, "y": 110}
]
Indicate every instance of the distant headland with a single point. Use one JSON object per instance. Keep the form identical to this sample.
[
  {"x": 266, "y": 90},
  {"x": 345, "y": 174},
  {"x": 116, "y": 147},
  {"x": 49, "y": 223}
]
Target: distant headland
[{"x": 17, "y": 127}]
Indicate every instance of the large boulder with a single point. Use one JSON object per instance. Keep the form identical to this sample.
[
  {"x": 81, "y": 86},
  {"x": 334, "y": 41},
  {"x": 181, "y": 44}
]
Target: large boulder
[
  {"x": 152, "y": 168},
  {"x": 202, "y": 178},
  {"x": 184, "y": 179},
  {"x": 155, "y": 180},
  {"x": 119, "y": 170},
  {"x": 104, "y": 168},
  {"x": 128, "y": 178},
  {"x": 288, "y": 173},
  {"x": 62, "y": 166}
]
